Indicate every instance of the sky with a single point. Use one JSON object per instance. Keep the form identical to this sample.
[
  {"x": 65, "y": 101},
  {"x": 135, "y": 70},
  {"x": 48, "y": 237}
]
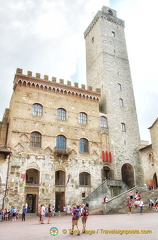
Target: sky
[{"x": 47, "y": 37}]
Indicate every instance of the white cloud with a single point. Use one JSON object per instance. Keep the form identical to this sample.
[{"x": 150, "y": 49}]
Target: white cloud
[{"x": 48, "y": 37}]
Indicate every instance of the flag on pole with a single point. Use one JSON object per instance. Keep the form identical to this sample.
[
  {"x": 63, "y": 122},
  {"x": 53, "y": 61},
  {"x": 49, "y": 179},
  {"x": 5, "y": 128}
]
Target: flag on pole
[
  {"x": 24, "y": 179},
  {"x": 68, "y": 179}
]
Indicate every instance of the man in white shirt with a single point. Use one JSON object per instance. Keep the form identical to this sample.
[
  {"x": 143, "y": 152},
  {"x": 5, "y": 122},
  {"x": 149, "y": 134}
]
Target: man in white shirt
[
  {"x": 68, "y": 209},
  {"x": 141, "y": 205}
]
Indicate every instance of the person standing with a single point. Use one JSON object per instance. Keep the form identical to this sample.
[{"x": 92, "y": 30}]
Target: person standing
[
  {"x": 53, "y": 211},
  {"x": 1, "y": 214},
  {"x": 24, "y": 210},
  {"x": 42, "y": 211},
  {"x": 49, "y": 213},
  {"x": 68, "y": 209},
  {"x": 85, "y": 213},
  {"x": 129, "y": 205},
  {"x": 75, "y": 218},
  {"x": 64, "y": 210},
  {"x": 13, "y": 212},
  {"x": 6, "y": 213},
  {"x": 141, "y": 205}
]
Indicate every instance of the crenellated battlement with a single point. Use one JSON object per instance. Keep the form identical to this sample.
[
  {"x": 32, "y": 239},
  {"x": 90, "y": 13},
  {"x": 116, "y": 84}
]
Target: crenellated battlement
[
  {"x": 107, "y": 14},
  {"x": 54, "y": 85}
]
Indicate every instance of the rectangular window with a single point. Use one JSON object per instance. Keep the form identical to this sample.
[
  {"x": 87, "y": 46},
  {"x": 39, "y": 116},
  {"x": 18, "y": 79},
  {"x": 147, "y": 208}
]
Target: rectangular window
[
  {"x": 35, "y": 140},
  {"x": 61, "y": 143},
  {"x": 83, "y": 195},
  {"x": 83, "y": 145}
]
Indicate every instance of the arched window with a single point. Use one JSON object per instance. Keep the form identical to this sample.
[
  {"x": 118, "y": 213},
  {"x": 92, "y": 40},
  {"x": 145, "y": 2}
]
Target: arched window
[
  {"x": 83, "y": 145},
  {"x": 82, "y": 118},
  {"x": 59, "y": 178},
  {"x": 123, "y": 127},
  {"x": 119, "y": 87},
  {"x": 121, "y": 102},
  {"x": 37, "y": 109},
  {"x": 110, "y": 12},
  {"x": 61, "y": 142},
  {"x": 151, "y": 158},
  {"x": 85, "y": 179},
  {"x": 113, "y": 34},
  {"x": 103, "y": 122},
  {"x": 61, "y": 114},
  {"x": 36, "y": 140},
  {"x": 32, "y": 176}
]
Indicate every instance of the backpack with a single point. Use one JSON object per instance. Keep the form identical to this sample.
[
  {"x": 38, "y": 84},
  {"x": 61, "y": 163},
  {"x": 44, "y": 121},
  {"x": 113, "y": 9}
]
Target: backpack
[
  {"x": 76, "y": 213},
  {"x": 86, "y": 211}
]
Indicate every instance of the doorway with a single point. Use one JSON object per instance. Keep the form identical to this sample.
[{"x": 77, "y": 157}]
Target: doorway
[
  {"x": 128, "y": 174},
  {"x": 106, "y": 173},
  {"x": 31, "y": 203},
  {"x": 155, "y": 180},
  {"x": 59, "y": 201}
]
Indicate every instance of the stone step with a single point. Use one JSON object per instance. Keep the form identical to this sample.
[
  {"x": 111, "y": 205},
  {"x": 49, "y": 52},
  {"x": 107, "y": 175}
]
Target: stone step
[
  {"x": 98, "y": 211},
  {"x": 122, "y": 209}
]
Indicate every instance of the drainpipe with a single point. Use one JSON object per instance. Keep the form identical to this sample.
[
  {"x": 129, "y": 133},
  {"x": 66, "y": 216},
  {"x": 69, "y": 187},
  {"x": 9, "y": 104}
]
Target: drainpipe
[{"x": 6, "y": 187}]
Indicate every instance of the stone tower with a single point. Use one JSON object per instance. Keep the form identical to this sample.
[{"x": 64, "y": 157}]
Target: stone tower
[{"x": 108, "y": 68}]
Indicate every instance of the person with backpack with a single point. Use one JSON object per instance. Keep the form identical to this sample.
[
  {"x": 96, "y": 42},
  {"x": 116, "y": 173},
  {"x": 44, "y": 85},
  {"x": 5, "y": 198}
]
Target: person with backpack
[
  {"x": 75, "y": 218},
  {"x": 13, "y": 212},
  {"x": 85, "y": 213}
]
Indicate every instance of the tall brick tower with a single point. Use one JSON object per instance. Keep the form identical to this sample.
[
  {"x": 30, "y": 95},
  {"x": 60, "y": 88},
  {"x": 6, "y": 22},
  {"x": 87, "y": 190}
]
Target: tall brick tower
[{"x": 108, "y": 68}]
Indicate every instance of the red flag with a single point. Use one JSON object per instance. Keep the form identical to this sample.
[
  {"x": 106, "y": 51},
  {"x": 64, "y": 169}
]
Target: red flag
[
  {"x": 110, "y": 156},
  {"x": 107, "y": 156},
  {"x": 24, "y": 177},
  {"x": 103, "y": 156}
]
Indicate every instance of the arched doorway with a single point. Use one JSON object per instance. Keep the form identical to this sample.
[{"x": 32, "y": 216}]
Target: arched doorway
[
  {"x": 155, "y": 180},
  {"x": 128, "y": 174}
]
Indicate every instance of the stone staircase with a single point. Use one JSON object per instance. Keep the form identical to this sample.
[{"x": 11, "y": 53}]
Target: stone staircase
[
  {"x": 122, "y": 208},
  {"x": 110, "y": 188}
]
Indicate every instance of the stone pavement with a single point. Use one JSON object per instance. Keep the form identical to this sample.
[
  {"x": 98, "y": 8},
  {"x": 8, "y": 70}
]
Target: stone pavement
[{"x": 97, "y": 226}]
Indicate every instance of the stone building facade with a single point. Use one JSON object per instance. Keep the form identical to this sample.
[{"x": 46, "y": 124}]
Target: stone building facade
[
  {"x": 54, "y": 134},
  {"x": 59, "y": 141},
  {"x": 149, "y": 157}
]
